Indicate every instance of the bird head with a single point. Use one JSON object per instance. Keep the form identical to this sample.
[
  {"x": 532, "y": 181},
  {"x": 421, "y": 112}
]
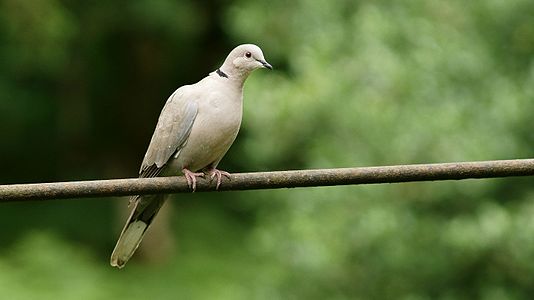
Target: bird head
[{"x": 243, "y": 60}]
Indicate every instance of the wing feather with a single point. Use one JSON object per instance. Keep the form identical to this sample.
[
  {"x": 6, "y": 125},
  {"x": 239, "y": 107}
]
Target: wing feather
[{"x": 171, "y": 133}]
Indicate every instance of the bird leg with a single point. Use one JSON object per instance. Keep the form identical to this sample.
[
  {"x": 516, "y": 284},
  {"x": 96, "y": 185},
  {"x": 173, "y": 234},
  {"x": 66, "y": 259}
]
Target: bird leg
[
  {"x": 219, "y": 174},
  {"x": 191, "y": 178}
]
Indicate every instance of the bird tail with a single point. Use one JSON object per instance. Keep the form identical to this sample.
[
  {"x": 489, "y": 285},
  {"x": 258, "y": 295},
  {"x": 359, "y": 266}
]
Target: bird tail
[{"x": 143, "y": 212}]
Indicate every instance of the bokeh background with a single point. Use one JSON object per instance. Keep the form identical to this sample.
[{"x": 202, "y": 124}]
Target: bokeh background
[{"x": 356, "y": 83}]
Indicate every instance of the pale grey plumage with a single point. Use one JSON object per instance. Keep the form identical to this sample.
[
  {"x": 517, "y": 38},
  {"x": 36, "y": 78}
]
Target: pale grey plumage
[
  {"x": 197, "y": 126},
  {"x": 171, "y": 133}
]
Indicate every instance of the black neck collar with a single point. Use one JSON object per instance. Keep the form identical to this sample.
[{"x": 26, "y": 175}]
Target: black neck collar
[{"x": 221, "y": 73}]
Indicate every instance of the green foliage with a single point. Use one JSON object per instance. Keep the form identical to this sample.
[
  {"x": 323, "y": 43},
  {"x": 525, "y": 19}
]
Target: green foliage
[
  {"x": 356, "y": 83},
  {"x": 375, "y": 84}
]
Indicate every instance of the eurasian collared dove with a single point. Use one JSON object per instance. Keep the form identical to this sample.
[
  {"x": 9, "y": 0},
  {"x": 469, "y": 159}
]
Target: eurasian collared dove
[{"x": 196, "y": 127}]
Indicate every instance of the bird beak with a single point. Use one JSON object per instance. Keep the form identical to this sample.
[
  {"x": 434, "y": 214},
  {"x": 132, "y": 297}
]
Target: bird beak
[{"x": 265, "y": 64}]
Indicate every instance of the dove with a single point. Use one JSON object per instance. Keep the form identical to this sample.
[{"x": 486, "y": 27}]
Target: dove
[{"x": 195, "y": 129}]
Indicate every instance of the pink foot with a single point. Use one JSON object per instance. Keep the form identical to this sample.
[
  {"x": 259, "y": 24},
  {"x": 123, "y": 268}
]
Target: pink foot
[
  {"x": 191, "y": 178},
  {"x": 219, "y": 174}
]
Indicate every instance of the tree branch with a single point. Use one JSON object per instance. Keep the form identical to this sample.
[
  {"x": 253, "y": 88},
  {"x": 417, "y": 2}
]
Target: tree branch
[{"x": 270, "y": 180}]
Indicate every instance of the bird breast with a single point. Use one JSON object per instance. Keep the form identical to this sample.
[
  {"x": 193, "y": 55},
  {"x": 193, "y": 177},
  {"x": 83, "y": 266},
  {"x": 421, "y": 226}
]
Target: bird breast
[{"x": 214, "y": 130}]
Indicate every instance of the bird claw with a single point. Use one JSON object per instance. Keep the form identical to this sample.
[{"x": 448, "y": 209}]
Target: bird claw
[
  {"x": 191, "y": 178},
  {"x": 219, "y": 174}
]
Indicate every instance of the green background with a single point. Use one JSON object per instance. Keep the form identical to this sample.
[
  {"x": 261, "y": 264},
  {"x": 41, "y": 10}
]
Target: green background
[{"x": 356, "y": 83}]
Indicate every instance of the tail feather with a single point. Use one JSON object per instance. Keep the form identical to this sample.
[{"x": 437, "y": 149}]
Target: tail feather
[{"x": 143, "y": 212}]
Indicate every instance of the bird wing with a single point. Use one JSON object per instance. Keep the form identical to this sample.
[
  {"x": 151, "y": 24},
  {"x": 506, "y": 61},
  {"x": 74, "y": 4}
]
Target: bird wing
[{"x": 171, "y": 133}]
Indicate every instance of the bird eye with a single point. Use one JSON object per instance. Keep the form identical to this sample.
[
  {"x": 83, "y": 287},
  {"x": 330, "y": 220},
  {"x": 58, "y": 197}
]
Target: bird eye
[{"x": 248, "y": 54}]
